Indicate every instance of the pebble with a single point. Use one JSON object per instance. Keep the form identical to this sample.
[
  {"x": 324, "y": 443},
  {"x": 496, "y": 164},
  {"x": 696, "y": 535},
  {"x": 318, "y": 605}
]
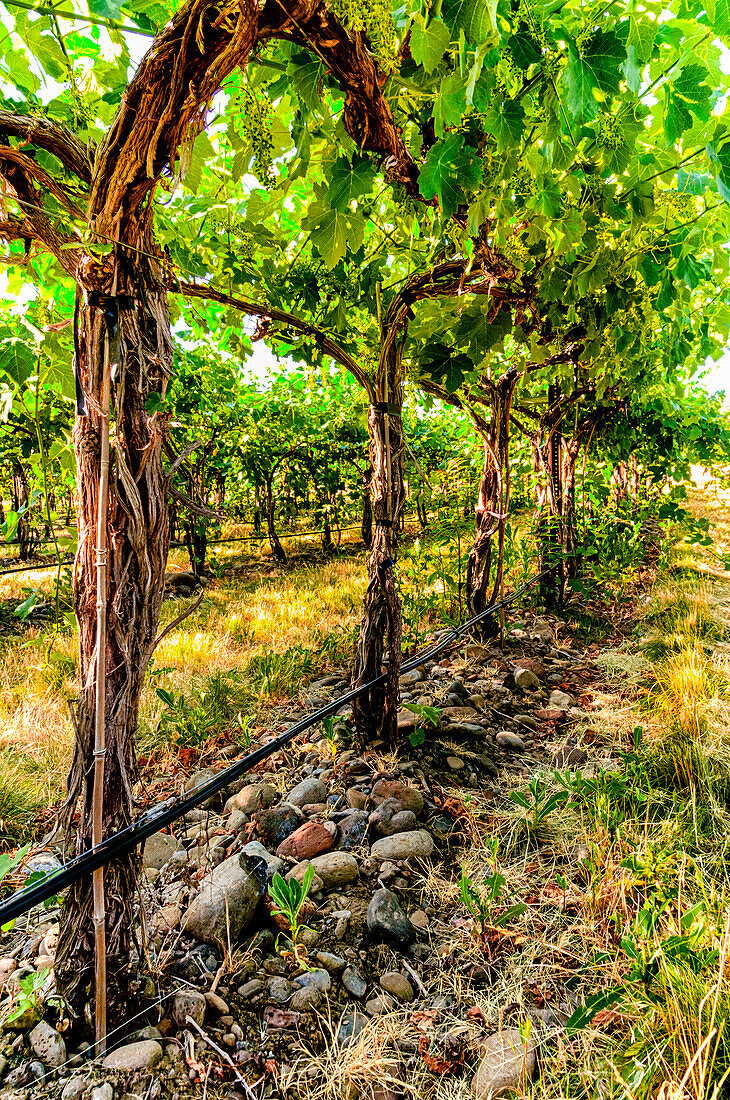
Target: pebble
[
  {"x": 387, "y": 921},
  {"x": 409, "y": 797},
  {"x": 188, "y": 1003},
  {"x": 307, "y": 841},
  {"x": 354, "y": 982},
  {"x": 560, "y": 699},
  {"x": 308, "y": 791},
  {"x": 74, "y": 1088},
  {"x": 353, "y": 830},
  {"x": 217, "y": 1004},
  {"x": 102, "y": 1092},
  {"x": 46, "y": 1042},
  {"x": 298, "y": 873},
  {"x": 279, "y": 990},
  {"x": 134, "y": 1056},
  {"x": 455, "y": 763},
  {"x": 306, "y": 1000},
  {"x": 225, "y": 904},
  {"x": 276, "y": 824},
  {"x": 356, "y": 799},
  {"x": 333, "y": 963},
  {"x": 313, "y": 979},
  {"x": 420, "y": 920},
  {"x": 252, "y": 797},
  {"x": 506, "y": 1064},
  {"x": 404, "y": 845},
  {"x": 158, "y": 849},
  {"x": 336, "y": 868},
  {"x": 570, "y": 757},
  {"x": 511, "y": 741},
  {"x": 397, "y": 985},
  {"x": 526, "y": 680},
  {"x": 380, "y": 1004}
]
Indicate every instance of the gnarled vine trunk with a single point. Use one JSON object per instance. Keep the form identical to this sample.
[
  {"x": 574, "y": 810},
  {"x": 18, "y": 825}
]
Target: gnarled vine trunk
[
  {"x": 375, "y": 711},
  {"x": 492, "y": 505}
]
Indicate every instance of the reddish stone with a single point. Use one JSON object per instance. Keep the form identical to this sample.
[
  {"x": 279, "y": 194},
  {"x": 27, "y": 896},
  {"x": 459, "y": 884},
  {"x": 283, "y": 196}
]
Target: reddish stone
[
  {"x": 409, "y": 797},
  {"x": 550, "y": 714},
  {"x": 533, "y": 664},
  {"x": 306, "y": 842}
]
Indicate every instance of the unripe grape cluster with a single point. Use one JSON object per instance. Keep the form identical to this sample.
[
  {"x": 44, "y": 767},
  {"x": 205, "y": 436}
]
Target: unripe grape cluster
[
  {"x": 610, "y": 135},
  {"x": 255, "y": 116},
  {"x": 679, "y": 203},
  {"x": 375, "y": 19}
]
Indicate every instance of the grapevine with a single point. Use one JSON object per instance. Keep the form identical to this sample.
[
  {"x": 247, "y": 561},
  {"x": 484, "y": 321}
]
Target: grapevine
[{"x": 375, "y": 19}]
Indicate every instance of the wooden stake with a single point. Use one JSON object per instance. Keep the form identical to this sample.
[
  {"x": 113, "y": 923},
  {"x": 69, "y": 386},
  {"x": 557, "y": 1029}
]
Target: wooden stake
[{"x": 97, "y": 825}]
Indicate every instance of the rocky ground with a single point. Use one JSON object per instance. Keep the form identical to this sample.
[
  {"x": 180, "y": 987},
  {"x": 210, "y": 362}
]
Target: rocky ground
[{"x": 401, "y": 991}]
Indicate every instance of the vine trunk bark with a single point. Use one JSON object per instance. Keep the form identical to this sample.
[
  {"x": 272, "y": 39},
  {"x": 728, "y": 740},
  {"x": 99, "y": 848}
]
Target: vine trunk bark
[{"x": 376, "y": 710}]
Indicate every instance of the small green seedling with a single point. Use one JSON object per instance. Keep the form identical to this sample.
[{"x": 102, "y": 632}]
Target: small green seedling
[
  {"x": 329, "y": 729},
  {"x": 288, "y": 898},
  {"x": 430, "y": 717},
  {"x": 538, "y": 803},
  {"x": 30, "y": 993},
  {"x": 481, "y": 902}
]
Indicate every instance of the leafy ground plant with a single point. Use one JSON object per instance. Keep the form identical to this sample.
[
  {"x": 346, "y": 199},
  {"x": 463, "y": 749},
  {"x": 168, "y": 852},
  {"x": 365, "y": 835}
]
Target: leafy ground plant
[{"x": 289, "y": 897}]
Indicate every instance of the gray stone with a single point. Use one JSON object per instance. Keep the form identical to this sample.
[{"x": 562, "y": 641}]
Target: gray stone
[
  {"x": 332, "y": 963},
  {"x": 256, "y": 848},
  {"x": 507, "y": 1064},
  {"x": 279, "y": 989},
  {"x": 74, "y": 1088},
  {"x": 251, "y": 989},
  {"x": 354, "y": 982},
  {"x": 307, "y": 792},
  {"x": 526, "y": 679},
  {"x": 188, "y": 1003},
  {"x": 313, "y": 979},
  {"x": 560, "y": 699},
  {"x": 511, "y": 741},
  {"x": 351, "y": 1024},
  {"x": 380, "y": 1004},
  {"x": 217, "y": 1004},
  {"x": 386, "y": 919},
  {"x": 225, "y": 904},
  {"x": 102, "y": 1092},
  {"x": 46, "y": 1042},
  {"x": 135, "y": 1056},
  {"x": 335, "y": 868},
  {"x": 397, "y": 985},
  {"x": 252, "y": 797},
  {"x": 277, "y": 823},
  {"x": 158, "y": 849},
  {"x": 412, "y": 677},
  {"x": 403, "y": 845},
  {"x": 353, "y": 830},
  {"x": 306, "y": 1000}
]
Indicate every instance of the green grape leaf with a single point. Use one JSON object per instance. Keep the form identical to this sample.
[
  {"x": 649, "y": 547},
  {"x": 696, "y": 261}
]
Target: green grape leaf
[
  {"x": 476, "y": 18},
  {"x": 307, "y": 79},
  {"x": 334, "y": 232},
  {"x": 683, "y": 97},
  {"x": 505, "y": 122},
  {"x": 448, "y": 369},
  {"x": 524, "y": 49},
  {"x": 450, "y": 104},
  {"x": 594, "y": 74},
  {"x": 348, "y": 181},
  {"x": 642, "y": 36},
  {"x": 451, "y": 168},
  {"x": 429, "y": 42}
]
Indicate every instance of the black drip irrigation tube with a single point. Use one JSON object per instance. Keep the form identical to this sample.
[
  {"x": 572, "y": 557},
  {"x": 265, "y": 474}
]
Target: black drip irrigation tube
[{"x": 154, "y": 819}]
